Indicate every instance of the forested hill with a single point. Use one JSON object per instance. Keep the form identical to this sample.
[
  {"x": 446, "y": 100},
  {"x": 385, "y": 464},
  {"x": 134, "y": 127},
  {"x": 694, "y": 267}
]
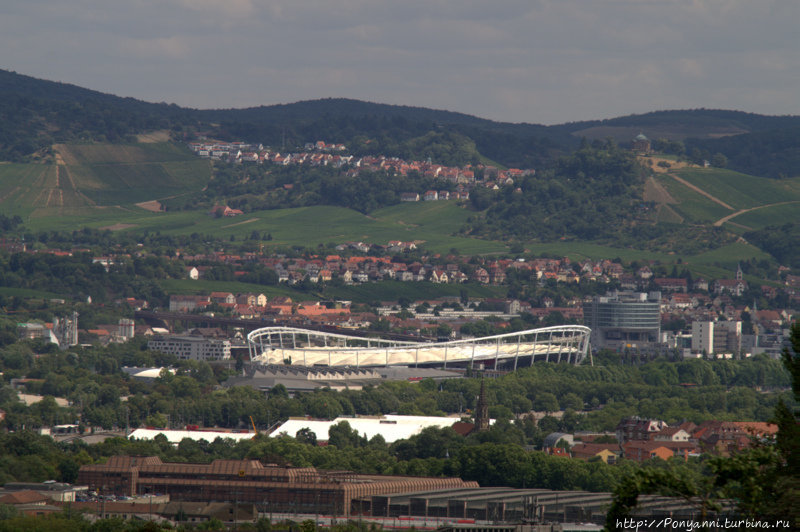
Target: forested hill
[{"x": 36, "y": 113}]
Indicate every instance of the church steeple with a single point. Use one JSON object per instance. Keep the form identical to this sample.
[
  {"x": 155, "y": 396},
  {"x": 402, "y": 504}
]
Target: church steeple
[{"x": 482, "y": 410}]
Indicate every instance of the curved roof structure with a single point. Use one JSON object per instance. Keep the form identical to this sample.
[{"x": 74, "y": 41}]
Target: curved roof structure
[{"x": 304, "y": 347}]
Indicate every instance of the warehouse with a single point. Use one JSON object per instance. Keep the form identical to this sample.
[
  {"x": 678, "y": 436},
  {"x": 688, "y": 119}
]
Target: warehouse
[{"x": 282, "y": 488}]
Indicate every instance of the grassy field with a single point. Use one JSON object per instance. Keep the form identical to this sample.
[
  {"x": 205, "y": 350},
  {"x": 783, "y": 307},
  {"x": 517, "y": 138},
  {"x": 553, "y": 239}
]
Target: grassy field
[
  {"x": 98, "y": 186},
  {"x": 304, "y": 226},
  {"x": 728, "y": 256},
  {"x": 188, "y": 286},
  {"x": 774, "y": 215},
  {"x": 741, "y": 191},
  {"x": 693, "y": 207},
  {"x": 87, "y": 179},
  {"x": 88, "y": 154},
  {"x": 26, "y": 293},
  {"x": 23, "y": 186},
  {"x": 578, "y": 251}
]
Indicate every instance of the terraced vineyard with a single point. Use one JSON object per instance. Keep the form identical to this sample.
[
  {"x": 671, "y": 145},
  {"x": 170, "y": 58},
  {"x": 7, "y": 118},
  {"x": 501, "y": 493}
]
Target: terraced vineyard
[
  {"x": 98, "y": 182},
  {"x": 737, "y": 201}
]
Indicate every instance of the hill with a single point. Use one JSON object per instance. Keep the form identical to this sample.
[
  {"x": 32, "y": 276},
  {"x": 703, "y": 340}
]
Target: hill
[
  {"x": 34, "y": 114},
  {"x": 85, "y": 181},
  {"x": 79, "y": 160}
]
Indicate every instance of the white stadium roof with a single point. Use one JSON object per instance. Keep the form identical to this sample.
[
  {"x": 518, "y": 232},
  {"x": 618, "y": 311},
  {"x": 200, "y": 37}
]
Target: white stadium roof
[{"x": 305, "y": 347}]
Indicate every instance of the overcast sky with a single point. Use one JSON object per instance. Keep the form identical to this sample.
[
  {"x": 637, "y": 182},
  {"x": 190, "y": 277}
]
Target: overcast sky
[{"x": 538, "y": 61}]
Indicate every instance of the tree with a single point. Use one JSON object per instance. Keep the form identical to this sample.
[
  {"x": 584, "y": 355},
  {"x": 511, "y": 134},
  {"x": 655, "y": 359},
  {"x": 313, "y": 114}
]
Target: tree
[
  {"x": 342, "y": 436},
  {"x": 545, "y": 402},
  {"x": 763, "y": 481},
  {"x": 306, "y": 435}
]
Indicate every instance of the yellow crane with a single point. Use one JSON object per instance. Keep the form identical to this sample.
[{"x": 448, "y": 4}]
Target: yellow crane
[{"x": 255, "y": 430}]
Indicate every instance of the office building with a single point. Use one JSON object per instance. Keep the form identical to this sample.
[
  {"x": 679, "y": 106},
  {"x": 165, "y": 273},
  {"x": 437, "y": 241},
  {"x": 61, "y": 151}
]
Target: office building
[{"x": 624, "y": 320}]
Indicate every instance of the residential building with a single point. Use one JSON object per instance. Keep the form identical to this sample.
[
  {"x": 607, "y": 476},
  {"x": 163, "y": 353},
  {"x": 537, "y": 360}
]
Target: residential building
[
  {"x": 607, "y": 452},
  {"x": 636, "y": 428},
  {"x": 716, "y": 337},
  {"x": 189, "y": 347}
]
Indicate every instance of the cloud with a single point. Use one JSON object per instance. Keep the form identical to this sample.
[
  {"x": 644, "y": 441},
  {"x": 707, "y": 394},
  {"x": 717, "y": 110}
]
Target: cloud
[{"x": 519, "y": 60}]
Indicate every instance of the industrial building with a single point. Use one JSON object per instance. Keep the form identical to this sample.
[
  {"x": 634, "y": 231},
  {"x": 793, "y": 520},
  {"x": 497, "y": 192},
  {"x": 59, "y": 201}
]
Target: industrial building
[
  {"x": 176, "y": 436},
  {"x": 624, "y": 320},
  {"x": 510, "y": 505},
  {"x": 390, "y": 427},
  {"x": 282, "y": 488},
  {"x": 343, "y": 494}
]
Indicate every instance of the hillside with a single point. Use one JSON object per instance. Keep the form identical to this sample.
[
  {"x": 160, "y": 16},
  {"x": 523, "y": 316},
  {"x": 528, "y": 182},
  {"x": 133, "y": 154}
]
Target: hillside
[
  {"x": 88, "y": 159},
  {"x": 85, "y": 181},
  {"x": 34, "y": 114}
]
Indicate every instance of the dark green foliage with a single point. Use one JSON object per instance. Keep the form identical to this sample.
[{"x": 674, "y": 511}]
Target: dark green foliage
[
  {"x": 35, "y": 113},
  {"x": 772, "y": 153},
  {"x": 780, "y": 242},
  {"x": 602, "y": 182},
  {"x": 263, "y": 187}
]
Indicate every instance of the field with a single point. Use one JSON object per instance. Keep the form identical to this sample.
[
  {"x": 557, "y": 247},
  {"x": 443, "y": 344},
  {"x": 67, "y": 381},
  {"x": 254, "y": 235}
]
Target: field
[
  {"x": 691, "y": 206},
  {"x": 97, "y": 182},
  {"x": 742, "y": 191},
  {"x": 774, "y": 215},
  {"x": 99, "y": 185},
  {"x": 717, "y": 196},
  {"x": 26, "y": 293},
  {"x": 188, "y": 286}
]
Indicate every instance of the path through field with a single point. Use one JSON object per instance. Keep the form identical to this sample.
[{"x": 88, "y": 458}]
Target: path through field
[
  {"x": 729, "y": 217},
  {"x": 63, "y": 192},
  {"x": 700, "y": 191}
]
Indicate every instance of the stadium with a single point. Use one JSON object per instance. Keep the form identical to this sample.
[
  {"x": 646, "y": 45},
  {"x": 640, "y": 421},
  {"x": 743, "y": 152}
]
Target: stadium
[{"x": 304, "y": 347}]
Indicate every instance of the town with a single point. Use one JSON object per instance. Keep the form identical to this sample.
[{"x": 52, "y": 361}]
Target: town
[{"x": 426, "y": 320}]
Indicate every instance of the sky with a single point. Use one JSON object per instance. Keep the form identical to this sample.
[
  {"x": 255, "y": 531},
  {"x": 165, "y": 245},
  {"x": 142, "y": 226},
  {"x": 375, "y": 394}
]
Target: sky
[{"x": 535, "y": 61}]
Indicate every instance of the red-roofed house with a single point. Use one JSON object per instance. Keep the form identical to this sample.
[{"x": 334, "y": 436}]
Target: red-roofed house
[{"x": 607, "y": 452}]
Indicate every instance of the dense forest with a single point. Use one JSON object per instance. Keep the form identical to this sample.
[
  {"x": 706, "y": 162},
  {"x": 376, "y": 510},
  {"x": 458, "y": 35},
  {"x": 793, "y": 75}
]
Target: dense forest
[
  {"x": 602, "y": 181},
  {"x": 780, "y": 241}
]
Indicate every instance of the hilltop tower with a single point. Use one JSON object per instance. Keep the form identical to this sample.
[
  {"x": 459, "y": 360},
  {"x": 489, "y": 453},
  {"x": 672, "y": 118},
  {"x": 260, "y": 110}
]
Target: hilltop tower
[{"x": 641, "y": 144}]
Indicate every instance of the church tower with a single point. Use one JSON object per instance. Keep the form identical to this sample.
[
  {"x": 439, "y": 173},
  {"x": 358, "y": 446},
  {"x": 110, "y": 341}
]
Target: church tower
[{"x": 482, "y": 410}]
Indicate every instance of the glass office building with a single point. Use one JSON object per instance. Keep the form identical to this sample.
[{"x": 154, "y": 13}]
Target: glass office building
[{"x": 624, "y": 320}]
